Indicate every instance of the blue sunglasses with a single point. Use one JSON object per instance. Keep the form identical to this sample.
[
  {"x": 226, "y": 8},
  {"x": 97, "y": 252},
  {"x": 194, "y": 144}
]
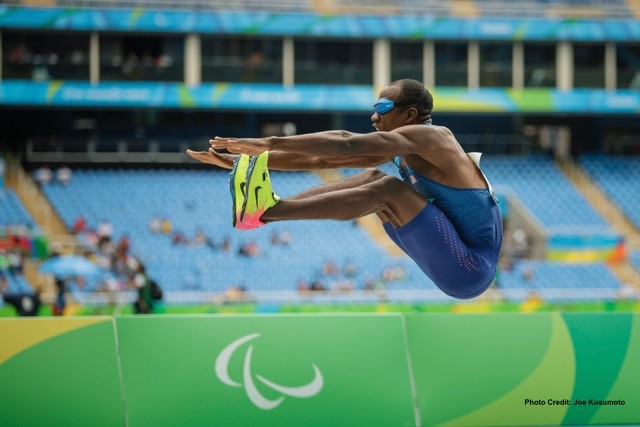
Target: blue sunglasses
[{"x": 384, "y": 105}]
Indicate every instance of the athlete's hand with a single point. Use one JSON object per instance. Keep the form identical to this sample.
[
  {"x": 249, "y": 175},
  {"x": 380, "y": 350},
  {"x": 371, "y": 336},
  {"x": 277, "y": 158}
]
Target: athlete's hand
[
  {"x": 224, "y": 160},
  {"x": 250, "y": 146}
]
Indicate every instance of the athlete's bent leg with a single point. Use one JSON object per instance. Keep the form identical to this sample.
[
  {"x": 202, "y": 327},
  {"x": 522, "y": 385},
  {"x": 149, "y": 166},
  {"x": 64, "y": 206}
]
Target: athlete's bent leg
[
  {"x": 383, "y": 194},
  {"x": 357, "y": 180}
]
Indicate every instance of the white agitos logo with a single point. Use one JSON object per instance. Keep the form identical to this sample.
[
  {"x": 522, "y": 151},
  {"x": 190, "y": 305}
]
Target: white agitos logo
[{"x": 222, "y": 371}]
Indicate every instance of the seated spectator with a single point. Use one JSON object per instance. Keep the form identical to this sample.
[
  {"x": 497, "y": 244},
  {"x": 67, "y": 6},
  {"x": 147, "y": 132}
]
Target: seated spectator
[
  {"x": 235, "y": 293},
  {"x": 343, "y": 285},
  {"x": 249, "y": 249},
  {"x": 330, "y": 269},
  {"x": 79, "y": 225},
  {"x": 16, "y": 262},
  {"x": 520, "y": 242},
  {"x": 317, "y": 285},
  {"x": 528, "y": 274},
  {"x": 124, "y": 244},
  {"x": 155, "y": 225},
  {"x": 21, "y": 54},
  {"x": 391, "y": 274},
  {"x": 285, "y": 238},
  {"x": 302, "y": 286},
  {"x": 226, "y": 244},
  {"x": 104, "y": 230},
  {"x": 200, "y": 238},
  {"x": 64, "y": 175},
  {"x": 44, "y": 175},
  {"x": 350, "y": 269},
  {"x": 282, "y": 238},
  {"x": 25, "y": 304},
  {"x": 179, "y": 238},
  {"x": 167, "y": 226}
]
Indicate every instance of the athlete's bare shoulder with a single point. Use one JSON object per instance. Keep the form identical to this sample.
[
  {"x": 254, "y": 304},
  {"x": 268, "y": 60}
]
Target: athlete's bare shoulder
[
  {"x": 436, "y": 144},
  {"x": 432, "y": 134}
]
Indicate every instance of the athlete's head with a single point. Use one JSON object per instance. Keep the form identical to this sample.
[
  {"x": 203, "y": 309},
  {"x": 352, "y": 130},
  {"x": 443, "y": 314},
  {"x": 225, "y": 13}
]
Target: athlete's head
[{"x": 403, "y": 102}]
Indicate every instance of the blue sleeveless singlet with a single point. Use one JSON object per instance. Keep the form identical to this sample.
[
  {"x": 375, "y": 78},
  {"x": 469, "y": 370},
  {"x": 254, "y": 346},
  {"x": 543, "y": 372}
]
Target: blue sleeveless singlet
[{"x": 456, "y": 238}]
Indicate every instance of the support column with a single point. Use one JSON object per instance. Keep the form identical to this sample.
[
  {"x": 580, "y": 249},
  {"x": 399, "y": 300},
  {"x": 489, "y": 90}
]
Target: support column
[
  {"x": 473, "y": 65},
  {"x": 381, "y": 63},
  {"x": 518, "y": 65},
  {"x": 288, "y": 61},
  {"x": 610, "y": 66},
  {"x": 429, "y": 64},
  {"x": 192, "y": 60},
  {"x": 94, "y": 57},
  {"x": 564, "y": 65}
]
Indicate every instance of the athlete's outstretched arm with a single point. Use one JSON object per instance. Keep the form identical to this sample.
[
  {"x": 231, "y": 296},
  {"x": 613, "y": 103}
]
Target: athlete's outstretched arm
[
  {"x": 279, "y": 160},
  {"x": 428, "y": 141}
]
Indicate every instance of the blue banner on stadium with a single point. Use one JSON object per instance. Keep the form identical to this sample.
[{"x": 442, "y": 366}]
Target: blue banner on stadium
[
  {"x": 300, "y": 24},
  {"x": 274, "y": 97}
]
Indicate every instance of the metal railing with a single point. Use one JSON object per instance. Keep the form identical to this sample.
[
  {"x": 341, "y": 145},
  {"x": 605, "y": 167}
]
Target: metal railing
[{"x": 153, "y": 151}]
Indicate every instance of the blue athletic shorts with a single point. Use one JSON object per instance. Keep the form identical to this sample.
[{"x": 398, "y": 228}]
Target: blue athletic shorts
[{"x": 434, "y": 244}]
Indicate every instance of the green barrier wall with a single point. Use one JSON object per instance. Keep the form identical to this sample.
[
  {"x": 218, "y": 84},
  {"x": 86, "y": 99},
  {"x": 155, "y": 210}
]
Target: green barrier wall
[
  {"x": 322, "y": 370},
  {"x": 170, "y": 374},
  {"x": 59, "y": 372}
]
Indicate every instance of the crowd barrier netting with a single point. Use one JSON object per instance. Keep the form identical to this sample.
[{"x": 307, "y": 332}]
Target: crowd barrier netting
[{"x": 322, "y": 370}]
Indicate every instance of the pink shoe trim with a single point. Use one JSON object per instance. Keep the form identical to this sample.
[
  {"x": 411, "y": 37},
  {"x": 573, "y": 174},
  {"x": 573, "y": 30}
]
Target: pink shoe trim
[
  {"x": 253, "y": 220},
  {"x": 243, "y": 226}
]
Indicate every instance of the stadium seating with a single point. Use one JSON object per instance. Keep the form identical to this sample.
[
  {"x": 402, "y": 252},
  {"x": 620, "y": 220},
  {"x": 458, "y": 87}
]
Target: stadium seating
[
  {"x": 550, "y": 281},
  {"x": 12, "y": 212},
  {"x": 540, "y": 186},
  {"x": 195, "y": 200},
  {"x": 199, "y": 199},
  {"x": 618, "y": 177}
]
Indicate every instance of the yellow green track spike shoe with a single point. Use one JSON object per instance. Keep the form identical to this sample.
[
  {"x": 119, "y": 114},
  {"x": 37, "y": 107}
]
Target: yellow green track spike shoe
[
  {"x": 259, "y": 195},
  {"x": 237, "y": 184}
]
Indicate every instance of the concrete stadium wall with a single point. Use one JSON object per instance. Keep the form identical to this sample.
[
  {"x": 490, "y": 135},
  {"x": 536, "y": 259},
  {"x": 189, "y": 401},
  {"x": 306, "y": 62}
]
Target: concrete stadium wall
[{"x": 321, "y": 370}]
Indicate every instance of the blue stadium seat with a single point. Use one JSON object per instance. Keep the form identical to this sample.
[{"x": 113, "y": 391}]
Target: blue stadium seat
[{"x": 618, "y": 177}]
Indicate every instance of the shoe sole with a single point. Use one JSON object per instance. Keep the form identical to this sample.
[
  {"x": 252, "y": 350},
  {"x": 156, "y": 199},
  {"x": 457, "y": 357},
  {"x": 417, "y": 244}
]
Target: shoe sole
[
  {"x": 232, "y": 188},
  {"x": 252, "y": 163}
]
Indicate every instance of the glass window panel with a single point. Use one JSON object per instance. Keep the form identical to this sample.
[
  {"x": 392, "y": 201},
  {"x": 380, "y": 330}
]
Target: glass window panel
[
  {"x": 334, "y": 62},
  {"x": 142, "y": 58},
  {"x": 628, "y": 60},
  {"x": 588, "y": 66},
  {"x": 451, "y": 64},
  {"x": 241, "y": 60},
  {"x": 406, "y": 61},
  {"x": 496, "y": 65},
  {"x": 45, "y": 56},
  {"x": 540, "y": 65}
]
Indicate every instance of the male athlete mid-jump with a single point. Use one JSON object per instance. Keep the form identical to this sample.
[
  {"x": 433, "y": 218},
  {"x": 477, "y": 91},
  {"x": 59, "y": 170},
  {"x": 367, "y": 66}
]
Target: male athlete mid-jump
[{"x": 442, "y": 213}]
